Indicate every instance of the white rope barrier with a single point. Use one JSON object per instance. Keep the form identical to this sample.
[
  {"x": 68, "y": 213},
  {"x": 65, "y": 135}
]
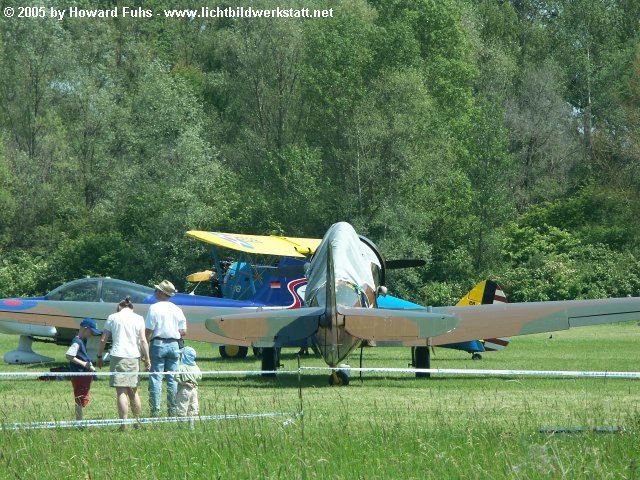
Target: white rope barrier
[
  {"x": 462, "y": 371},
  {"x": 141, "y": 373},
  {"x": 446, "y": 371},
  {"x": 138, "y": 421}
]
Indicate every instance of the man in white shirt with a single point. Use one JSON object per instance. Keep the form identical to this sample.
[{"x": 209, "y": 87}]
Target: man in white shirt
[{"x": 165, "y": 325}]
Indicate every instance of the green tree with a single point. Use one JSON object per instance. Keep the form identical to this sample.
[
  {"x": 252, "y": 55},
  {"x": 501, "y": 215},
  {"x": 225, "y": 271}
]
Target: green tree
[
  {"x": 542, "y": 136},
  {"x": 33, "y": 59}
]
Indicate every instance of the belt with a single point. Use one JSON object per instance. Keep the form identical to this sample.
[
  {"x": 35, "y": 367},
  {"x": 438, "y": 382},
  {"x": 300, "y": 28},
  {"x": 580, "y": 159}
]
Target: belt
[{"x": 165, "y": 340}]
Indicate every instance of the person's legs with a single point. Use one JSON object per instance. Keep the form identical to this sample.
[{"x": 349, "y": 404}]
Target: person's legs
[
  {"x": 123, "y": 401},
  {"x": 155, "y": 381},
  {"x": 182, "y": 401},
  {"x": 136, "y": 405},
  {"x": 195, "y": 406},
  {"x": 81, "y": 388},
  {"x": 172, "y": 356}
]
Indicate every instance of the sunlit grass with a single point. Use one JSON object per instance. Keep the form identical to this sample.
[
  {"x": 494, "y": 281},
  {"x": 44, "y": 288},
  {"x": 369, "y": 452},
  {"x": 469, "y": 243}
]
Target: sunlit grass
[{"x": 387, "y": 426}]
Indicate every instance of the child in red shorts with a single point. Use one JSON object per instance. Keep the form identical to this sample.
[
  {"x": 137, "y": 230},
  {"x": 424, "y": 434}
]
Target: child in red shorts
[{"x": 79, "y": 362}]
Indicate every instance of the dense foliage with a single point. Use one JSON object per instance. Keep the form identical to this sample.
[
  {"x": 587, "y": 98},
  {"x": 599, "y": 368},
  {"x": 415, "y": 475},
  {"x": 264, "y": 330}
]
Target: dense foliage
[{"x": 491, "y": 138}]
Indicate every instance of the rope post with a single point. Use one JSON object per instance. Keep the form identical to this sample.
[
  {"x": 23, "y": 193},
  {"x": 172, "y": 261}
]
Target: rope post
[{"x": 300, "y": 397}]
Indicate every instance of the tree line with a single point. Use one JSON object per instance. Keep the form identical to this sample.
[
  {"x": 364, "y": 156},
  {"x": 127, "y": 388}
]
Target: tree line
[{"x": 490, "y": 138}]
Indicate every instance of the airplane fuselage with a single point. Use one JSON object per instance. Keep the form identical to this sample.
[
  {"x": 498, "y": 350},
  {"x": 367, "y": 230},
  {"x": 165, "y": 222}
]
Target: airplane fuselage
[{"x": 343, "y": 273}]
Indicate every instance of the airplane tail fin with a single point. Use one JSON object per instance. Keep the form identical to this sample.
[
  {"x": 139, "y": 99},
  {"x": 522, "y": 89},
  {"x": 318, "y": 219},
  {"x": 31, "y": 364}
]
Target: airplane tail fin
[
  {"x": 484, "y": 293},
  {"x": 330, "y": 288}
]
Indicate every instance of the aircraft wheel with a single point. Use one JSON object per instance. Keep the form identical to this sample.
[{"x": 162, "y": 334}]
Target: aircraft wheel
[
  {"x": 233, "y": 351},
  {"x": 270, "y": 360},
  {"x": 476, "y": 356},
  {"x": 422, "y": 357},
  {"x": 257, "y": 352},
  {"x": 338, "y": 378}
]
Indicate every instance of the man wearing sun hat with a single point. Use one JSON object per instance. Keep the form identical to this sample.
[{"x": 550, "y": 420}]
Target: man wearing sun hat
[{"x": 165, "y": 325}]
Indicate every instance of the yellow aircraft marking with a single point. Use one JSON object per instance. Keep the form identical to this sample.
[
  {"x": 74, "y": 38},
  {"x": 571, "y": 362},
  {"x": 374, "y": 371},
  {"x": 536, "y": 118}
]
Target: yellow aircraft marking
[{"x": 474, "y": 297}]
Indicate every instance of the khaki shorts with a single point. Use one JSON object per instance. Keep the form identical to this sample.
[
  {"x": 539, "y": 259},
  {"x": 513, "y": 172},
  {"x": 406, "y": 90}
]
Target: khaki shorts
[
  {"x": 187, "y": 401},
  {"x": 123, "y": 367}
]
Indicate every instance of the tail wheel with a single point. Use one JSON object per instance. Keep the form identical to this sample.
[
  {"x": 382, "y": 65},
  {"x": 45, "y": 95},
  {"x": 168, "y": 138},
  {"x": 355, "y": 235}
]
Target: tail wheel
[
  {"x": 257, "y": 352},
  {"x": 233, "y": 351},
  {"x": 476, "y": 356},
  {"x": 338, "y": 378},
  {"x": 270, "y": 361},
  {"x": 422, "y": 359}
]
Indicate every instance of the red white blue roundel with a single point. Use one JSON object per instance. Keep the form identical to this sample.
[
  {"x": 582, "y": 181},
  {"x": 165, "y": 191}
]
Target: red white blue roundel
[{"x": 16, "y": 304}]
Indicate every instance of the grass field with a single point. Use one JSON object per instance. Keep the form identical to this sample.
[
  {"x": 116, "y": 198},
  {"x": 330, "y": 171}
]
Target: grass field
[{"x": 387, "y": 426}]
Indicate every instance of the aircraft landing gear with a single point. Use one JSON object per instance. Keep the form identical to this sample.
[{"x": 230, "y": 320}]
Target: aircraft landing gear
[
  {"x": 338, "y": 378},
  {"x": 422, "y": 359},
  {"x": 476, "y": 356},
  {"x": 25, "y": 354},
  {"x": 233, "y": 351},
  {"x": 270, "y": 361}
]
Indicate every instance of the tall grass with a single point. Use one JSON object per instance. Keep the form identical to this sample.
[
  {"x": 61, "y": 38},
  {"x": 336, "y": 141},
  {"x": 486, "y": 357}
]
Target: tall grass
[{"x": 387, "y": 426}]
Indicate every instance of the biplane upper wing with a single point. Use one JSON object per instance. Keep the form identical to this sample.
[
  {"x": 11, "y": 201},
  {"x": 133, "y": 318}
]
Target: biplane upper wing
[{"x": 259, "y": 244}]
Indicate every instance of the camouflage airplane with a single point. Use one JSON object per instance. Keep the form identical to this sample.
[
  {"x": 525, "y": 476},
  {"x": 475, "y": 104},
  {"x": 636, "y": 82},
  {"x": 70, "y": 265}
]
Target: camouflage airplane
[
  {"x": 255, "y": 268},
  {"x": 345, "y": 278}
]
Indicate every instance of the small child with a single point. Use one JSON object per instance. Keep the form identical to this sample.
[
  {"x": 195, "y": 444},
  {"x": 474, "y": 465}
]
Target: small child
[
  {"x": 79, "y": 362},
  {"x": 188, "y": 376}
]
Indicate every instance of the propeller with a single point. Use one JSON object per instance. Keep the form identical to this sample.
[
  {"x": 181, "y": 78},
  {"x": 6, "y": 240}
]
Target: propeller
[
  {"x": 200, "y": 276},
  {"x": 404, "y": 263}
]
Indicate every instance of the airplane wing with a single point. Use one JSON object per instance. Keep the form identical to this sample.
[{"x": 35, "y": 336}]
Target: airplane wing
[
  {"x": 409, "y": 327},
  {"x": 511, "y": 319},
  {"x": 53, "y": 313},
  {"x": 259, "y": 244},
  {"x": 276, "y": 328},
  {"x": 60, "y": 314},
  {"x": 272, "y": 328}
]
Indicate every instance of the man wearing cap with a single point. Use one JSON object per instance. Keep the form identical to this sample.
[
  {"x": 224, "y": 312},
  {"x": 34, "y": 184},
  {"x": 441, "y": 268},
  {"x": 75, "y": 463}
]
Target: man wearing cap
[
  {"x": 165, "y": 325},
  {"x": 79, "y": 362}
]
